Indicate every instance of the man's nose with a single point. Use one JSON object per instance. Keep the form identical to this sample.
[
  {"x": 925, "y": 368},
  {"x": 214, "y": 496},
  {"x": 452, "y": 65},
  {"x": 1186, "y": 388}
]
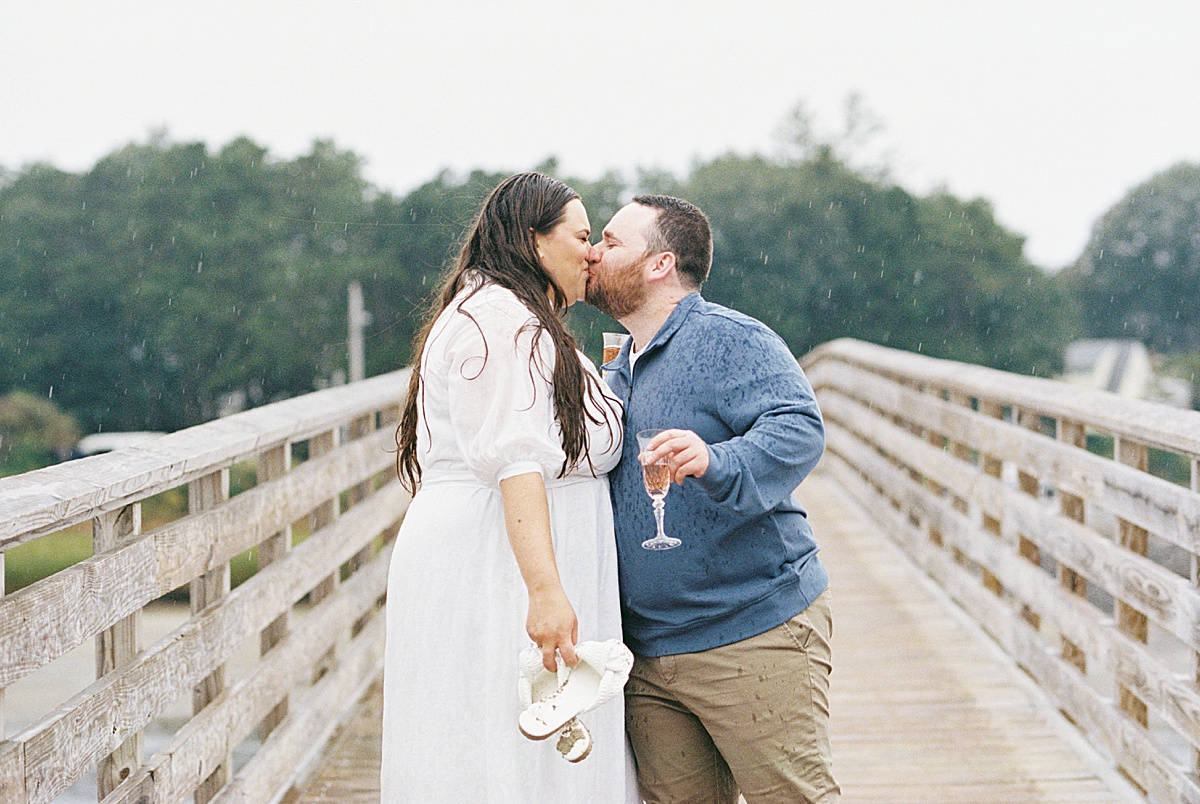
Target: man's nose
[{"x": 593, "y": 255}]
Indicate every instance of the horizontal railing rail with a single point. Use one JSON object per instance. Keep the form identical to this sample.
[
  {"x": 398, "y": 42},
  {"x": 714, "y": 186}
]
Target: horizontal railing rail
[
  {"x": 302, "y": 496},
  {"x": 1066, "y": 521}
]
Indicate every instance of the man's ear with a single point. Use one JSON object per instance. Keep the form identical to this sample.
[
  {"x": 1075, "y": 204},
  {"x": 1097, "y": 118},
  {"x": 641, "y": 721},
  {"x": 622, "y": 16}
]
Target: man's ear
[{"x": 663, "y": 266}]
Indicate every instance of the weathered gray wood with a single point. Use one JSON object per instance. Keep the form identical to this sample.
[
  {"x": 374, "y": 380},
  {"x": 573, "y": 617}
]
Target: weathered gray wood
[
  {"x": 204, "y": 494},
  {"x": 982, "y": 498},
  {"x": 273, "y": 465},
  {"x": 290, "y": 750},
  {"x": 41, "y": 502},
  {"x": 62, "y": 745},
  {"x": 35, "y": 628},
  {"x": 1173, "y": 699},
  {"x": 1169, "y": 511},
  {"x": 178, "y": 769},
  {"x": 12, "y": 773},
  {"x": 322, "y": 516},
  {"x": 102, "y": 597},
  {"x": 3, "y": 728},
  {"x": 37, "y": 624},
  {"x": 1164, "y": 597},
  {"x": 1157, "y": 425},
  {"x": 1136, "y": 754},
  {"x": 117, "y": 646}
]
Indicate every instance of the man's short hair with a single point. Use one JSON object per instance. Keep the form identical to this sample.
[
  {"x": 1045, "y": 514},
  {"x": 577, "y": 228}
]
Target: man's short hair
[{"x": 682, "y": 229}]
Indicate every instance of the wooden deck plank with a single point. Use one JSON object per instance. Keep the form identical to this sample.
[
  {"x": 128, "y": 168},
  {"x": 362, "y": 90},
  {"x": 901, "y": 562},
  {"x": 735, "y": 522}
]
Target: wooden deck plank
[{"x": 926, "y": 709}]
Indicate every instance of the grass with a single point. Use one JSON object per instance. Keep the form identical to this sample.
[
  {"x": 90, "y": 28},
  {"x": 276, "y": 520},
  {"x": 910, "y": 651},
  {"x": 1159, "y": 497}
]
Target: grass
[{"x": 43, "y": 557}]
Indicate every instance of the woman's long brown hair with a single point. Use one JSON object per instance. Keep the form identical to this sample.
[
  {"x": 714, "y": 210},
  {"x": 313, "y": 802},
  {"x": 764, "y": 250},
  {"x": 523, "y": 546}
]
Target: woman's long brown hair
[{"x": 501, "y": 249}]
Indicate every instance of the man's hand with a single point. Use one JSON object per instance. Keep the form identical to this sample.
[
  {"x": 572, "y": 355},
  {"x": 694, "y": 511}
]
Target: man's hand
[{"x": 684, "y": 451}]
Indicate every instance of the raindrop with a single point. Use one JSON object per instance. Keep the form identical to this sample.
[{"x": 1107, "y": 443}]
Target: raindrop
[
  {"x": 200, "y": 266},
  {"x": 51, "y": 396}
]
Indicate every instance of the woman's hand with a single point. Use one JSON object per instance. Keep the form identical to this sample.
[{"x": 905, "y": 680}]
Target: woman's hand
[
  {"x": 552, "y": 626},
  {"x": 551, "y": 623},
  {"x": 684, "y": 451}
]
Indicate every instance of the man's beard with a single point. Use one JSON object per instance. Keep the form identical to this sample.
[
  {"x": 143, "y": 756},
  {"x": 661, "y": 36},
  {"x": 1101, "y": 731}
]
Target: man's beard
[{"x": 617, "y": 293}]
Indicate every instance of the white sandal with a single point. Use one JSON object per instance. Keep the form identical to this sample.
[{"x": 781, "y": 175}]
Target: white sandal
[
  {"x": 600, "y": 674},
  {"x": 536, "y": 683}
]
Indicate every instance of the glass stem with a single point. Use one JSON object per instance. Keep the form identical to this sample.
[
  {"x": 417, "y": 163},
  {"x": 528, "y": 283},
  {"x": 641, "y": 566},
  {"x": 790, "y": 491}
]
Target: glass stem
[{"x": 660, "y": 506}]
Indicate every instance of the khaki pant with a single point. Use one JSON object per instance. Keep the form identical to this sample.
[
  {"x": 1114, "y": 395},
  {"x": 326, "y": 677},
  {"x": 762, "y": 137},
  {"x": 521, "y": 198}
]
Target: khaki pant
[{"x": 752, "y": 715}]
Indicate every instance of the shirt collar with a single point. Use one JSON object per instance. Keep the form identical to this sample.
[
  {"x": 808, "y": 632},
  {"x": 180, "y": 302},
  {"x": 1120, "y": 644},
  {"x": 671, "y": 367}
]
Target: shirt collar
[{"x": 674, "y": 322}]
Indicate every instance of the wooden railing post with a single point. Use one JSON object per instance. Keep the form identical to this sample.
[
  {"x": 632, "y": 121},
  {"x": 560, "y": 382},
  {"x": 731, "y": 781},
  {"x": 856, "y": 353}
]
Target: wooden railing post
[
  {"x": 2, "y": 726},
  {"x": 1195, "y": 484},
  {"x": 120, "y": 644},
  {"x": 105, "y": 727},
  {"x": 962, "y": 451},
  {"x": 360, "y": 427},
  {"x": 992, "y": 466},
  {"x": 1072, "y": 507},
  {"x": 1132, "y": 622},
  {"x": 272, "y": 465},
  {"x": 323, "y": 515},
  {"x": 204, "y": 494},
  {"x": 1106, "y": 574}
]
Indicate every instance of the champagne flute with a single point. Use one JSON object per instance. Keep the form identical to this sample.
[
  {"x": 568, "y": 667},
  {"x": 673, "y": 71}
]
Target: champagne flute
[
  {"x": 612, "y": 346},
  {"x": 657, "y": 479}
]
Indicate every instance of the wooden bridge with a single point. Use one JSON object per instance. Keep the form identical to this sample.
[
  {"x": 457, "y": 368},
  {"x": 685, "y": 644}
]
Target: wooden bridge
[{"x": 1014, "y": 564}]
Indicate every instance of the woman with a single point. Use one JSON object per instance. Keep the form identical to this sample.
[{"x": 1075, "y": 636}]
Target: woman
[{"x": 509, "y": 431}]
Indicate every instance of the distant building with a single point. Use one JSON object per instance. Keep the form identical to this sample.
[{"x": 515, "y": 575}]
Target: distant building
[
  {"x": 107, "y": 442},
  {"x": 1122, "y": 367}
]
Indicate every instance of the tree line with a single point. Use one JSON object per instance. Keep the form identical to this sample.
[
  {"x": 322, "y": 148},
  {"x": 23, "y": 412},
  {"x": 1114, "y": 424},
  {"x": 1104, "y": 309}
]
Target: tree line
[{"x": 170, "y": 278}]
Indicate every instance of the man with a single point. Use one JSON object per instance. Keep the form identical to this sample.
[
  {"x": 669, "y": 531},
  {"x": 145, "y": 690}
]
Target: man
[{"x": 730, "y": 630}]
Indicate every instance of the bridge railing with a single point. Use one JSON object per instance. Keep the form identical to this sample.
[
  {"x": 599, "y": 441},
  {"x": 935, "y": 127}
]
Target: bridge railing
[
  {"x": 319, "y": 504},
  {"x": 1067, "y": 522}
]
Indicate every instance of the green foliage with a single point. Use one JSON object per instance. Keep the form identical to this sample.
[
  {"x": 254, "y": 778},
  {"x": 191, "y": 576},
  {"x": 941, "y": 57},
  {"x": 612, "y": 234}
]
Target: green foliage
[
  {"x": 170, "y": 278},
  {"x": 167, "y": 278},
  {"x": 1139, "y": 276},
  {"x": 411, "y": 242},
  {"x": 33, "y": 433},
  {"x": 856, "y": 256},
  {"x": 1185, "y": 366},
  {"x": 41, "y": 558}
]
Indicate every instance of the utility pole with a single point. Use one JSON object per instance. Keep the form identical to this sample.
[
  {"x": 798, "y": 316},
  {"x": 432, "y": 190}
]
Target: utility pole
[{"x": 357, "y": 319}]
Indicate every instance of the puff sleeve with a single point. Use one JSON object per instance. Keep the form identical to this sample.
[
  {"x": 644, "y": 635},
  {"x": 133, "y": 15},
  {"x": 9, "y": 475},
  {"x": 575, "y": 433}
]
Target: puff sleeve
[{"x": 499, "y": 389}]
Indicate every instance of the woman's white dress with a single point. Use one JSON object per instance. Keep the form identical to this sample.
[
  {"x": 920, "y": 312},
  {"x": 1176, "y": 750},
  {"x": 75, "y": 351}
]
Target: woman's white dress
[{"x": 457, "y": 605}]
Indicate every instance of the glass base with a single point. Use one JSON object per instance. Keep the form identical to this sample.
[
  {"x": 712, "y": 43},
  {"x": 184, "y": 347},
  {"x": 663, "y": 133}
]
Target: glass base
[{"x": 661, "y": 543}]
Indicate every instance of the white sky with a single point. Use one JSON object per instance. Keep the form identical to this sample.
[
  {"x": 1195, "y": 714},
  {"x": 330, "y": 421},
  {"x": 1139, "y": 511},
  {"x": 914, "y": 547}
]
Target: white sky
[{"x": 1051, "y": 109}]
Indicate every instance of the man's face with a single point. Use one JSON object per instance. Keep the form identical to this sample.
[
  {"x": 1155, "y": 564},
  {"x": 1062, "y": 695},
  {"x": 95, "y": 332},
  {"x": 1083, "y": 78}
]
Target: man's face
[{"x": 617, "y": 284}]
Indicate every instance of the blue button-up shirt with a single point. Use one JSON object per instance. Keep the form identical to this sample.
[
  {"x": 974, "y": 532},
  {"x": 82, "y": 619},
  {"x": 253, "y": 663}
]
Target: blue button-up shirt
[{"x": 748, "y": 561}]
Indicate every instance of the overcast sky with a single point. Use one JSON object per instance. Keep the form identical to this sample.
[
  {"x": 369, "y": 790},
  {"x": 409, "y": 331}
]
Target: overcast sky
[{"x": 1051, "y": 109}]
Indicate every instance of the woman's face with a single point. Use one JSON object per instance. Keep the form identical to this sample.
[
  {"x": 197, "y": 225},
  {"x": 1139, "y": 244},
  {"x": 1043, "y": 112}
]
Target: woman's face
[{"x": 564, "y": 251}]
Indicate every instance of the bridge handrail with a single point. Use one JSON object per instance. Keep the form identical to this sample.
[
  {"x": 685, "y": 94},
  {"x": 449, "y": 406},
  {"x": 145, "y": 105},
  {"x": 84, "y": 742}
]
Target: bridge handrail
[
  {"x": 1044, "y": 510},
  {"x": 35, "y": 503},
  {"x": 1150, "y": 423},
  {"x": 324, "y": 461}
]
